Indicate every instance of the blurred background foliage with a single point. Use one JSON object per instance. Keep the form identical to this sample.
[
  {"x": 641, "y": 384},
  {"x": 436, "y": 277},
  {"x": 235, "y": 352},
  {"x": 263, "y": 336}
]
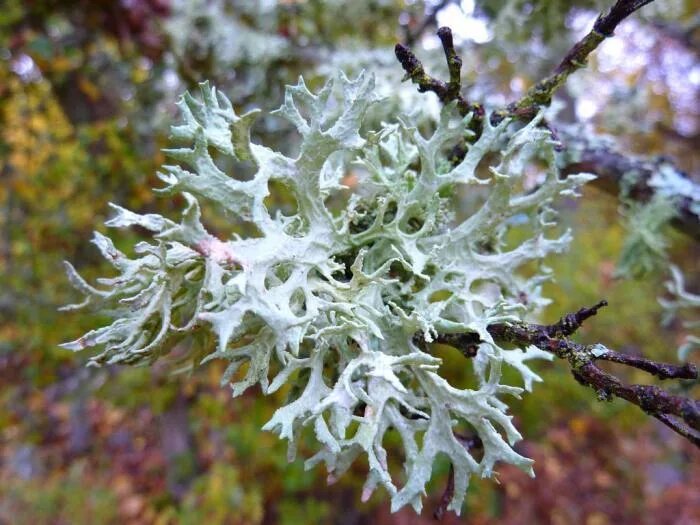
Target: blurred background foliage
[{"x": 87, "y": 92}]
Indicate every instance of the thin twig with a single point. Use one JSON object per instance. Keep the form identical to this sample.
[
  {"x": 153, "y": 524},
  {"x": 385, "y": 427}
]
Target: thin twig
[
  {"x": 653, "y": 400},
  {"x": 454, "y": 62},
  {"x": 660, "y": 370},
  {"x": 447, "y": 495},
  {"x": 678, "y": 413},
  {"x": 446, "y": 91},
  {"x": 541, "y": 93},
  {"x": 568, "y": 324},
  {"x": 416, "y": 73}
]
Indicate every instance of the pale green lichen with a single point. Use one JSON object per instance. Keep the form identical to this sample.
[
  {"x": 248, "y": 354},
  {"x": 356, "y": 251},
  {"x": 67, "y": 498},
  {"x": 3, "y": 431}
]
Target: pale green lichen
[
  {"x": 644, "y": 249},
  {"x": 672, "y": 184},
  {"x": 598, "y": 350},
  {"x": 335, "y": 299},
  {"x": 682, "y": 301}
]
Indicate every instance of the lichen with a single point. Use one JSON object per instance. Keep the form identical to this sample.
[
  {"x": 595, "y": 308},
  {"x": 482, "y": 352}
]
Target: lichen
[
  {"x": 682, "y": 302},
  {"x": 644, "y": 249},
  {"x": 335, "y": 298}
]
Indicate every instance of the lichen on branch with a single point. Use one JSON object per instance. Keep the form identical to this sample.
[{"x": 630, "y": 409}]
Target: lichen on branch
[{"x": 330, "y": 300}]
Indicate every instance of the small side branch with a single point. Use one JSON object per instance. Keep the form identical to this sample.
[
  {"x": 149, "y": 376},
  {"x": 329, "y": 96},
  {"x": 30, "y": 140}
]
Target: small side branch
[
  {"x": 541, "y": 93},
  {"x": 454, "y": 62},
  {"x": 616, "y": 170},
  {"x": 678, "y": 413},
  {"x": 446, "y": 91},
  {"x": 660, "y": 370}
]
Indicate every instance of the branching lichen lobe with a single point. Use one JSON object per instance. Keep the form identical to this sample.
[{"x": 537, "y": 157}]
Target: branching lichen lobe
[
  {"x": 347, "y": 292},
  {"x": 347, "y": 305}
]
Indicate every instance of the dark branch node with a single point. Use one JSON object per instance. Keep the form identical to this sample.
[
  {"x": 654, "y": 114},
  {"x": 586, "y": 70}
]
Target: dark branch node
[{"x": 467, "y": 343}]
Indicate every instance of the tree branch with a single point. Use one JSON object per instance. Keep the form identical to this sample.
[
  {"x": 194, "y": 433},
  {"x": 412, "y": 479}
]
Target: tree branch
[
  {"x": 678, "y": 413},
  {"x": 538, "y": 95},
  {"x": 616, "y": 170},
  {"x": 610, "y": 166},
  {"x": 541, "y": 93},
  {"x": 446, "y": 91}
]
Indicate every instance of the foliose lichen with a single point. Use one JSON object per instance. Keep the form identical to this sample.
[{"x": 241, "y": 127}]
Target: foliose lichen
[
  {"x": 330, "y": 301},
  {"x": 682, "y": 301}
]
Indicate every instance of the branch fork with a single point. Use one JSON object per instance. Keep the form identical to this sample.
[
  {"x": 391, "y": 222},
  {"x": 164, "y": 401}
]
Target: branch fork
[{"x": 680, "y": 414}]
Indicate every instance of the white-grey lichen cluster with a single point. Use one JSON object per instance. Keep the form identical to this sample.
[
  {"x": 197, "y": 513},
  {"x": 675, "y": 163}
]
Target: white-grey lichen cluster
[
  {"x": 340, "y": 303},
  {"x": 644, "y": 250},
  {"x": 403, "y": 98},
  {"x": 214, "y": 27},
  {"x": 645, "y": 247},
  {"x": 682, "y": 301}
]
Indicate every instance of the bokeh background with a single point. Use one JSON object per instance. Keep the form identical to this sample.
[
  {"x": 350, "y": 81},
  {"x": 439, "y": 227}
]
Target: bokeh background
[{"x": 87, "y": 93}]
